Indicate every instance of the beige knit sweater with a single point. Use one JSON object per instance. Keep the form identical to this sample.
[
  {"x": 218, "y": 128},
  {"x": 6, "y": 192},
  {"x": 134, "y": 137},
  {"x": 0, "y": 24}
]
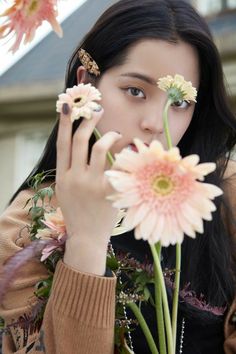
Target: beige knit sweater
[{"x": 80, "y": 313}]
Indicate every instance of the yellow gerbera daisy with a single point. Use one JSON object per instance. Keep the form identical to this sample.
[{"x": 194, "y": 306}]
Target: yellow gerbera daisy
[{"x": 178, "y": 88}]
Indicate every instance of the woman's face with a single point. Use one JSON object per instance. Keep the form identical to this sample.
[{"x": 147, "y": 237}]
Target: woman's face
[{"x": 132, "y": 102}]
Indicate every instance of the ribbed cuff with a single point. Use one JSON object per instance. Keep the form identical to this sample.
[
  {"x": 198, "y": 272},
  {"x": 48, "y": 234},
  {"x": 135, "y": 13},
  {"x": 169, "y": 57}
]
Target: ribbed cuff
[{"x": 89, "y": 298}]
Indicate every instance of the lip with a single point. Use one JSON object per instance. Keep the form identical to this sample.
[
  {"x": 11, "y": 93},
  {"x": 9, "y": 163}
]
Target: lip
[{"x": 134, "y": 148}]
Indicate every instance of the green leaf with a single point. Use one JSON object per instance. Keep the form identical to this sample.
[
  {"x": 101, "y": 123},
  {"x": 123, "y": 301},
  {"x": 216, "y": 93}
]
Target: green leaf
[
  {"x": 112, "y": 263},
  {"x": 2, "y": 323},
  {"x": 146, "y": 294},
  {"x": 36, "y": 212},
  {"x": 46, "y": 192},
  {"x": 43, "y": 288}
]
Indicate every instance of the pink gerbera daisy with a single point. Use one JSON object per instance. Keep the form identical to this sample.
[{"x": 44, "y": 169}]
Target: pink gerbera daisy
[
  {"x": 25, "y": 16},
  {"x": 80, "y": 99},
  {"x": 162, "y": 193}
]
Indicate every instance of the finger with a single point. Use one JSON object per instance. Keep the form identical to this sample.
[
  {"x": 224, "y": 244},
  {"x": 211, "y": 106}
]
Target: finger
[
  {"x": 99, "y": 152},
  {"x": 80, "y": 146},
  {"x": 64, "y": 141}
]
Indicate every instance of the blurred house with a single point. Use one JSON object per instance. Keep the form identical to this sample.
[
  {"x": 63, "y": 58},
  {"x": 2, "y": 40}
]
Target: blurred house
[
  {"x": 28, "y": 93},
  {"x": 221, "y": 16},
  {"x": 29, "y": 89}
]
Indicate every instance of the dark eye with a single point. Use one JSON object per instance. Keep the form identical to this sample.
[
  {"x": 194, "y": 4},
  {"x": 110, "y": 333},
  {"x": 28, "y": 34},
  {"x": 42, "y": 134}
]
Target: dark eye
[
  {"x": 136, "y": 92},
  {"x": 181, "y": 104}
]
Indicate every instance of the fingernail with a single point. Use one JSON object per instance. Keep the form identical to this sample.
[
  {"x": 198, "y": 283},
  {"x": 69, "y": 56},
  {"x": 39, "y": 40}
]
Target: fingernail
[
  {"x": 65, "y": 108},
  {"x": 98, "y": 108}
]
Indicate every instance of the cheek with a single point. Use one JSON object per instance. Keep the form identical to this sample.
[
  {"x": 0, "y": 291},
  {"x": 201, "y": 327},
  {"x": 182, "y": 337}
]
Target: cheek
[
  {"x": 115, "y": 110},
  {"x": 179, "y": 123},
  {"x": 113, "y": 117}
]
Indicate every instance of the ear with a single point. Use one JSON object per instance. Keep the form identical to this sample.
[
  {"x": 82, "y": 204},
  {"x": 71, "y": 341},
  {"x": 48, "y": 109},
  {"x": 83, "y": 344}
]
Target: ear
[{"x": 82, "y": 75}]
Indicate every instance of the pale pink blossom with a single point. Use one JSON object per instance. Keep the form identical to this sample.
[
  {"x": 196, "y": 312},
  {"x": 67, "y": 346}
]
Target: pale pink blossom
[
  {"x": 55, "y": 230},
  {"x": 162, "y": 192},
  {"x": 81, "y": 100},
  {"x": 25, "y": 16},
  {"x": 45, "y": 234},
  {"x": 55, "y": 221},
  {"x": 58, "y": 244}
]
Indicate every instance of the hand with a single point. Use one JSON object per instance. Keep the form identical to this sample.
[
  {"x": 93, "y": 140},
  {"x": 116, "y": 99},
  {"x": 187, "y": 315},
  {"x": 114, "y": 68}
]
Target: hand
[{"x": 81, "y": 191}]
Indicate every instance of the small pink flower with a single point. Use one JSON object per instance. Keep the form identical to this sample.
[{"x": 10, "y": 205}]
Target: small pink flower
[
  {"x": 80, "y": 99},
  {"x": 45, "y": 234},
  {"x": 55, "y": 230},
  {"x": 55, "y": 223},
  {"x": 53, "y": 246},
  {"x": 161, "y": 192},
  {"x": 25, "y": 16}
]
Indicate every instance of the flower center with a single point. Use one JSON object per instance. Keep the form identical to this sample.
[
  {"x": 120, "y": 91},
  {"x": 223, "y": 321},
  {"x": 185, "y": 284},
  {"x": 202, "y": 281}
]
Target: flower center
[
  {"x": 162, "y": 185},
  {"x": 79, "y": 101},
  {"x": 33, "y": 7}
]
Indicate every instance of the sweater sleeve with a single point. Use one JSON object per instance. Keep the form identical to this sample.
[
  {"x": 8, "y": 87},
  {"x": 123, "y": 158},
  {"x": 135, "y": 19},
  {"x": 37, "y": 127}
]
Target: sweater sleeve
[{"x": 80, "y": 312}]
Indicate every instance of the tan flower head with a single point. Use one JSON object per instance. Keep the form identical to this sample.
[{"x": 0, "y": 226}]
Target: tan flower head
[
  {"x": 162, "y": 192},
  {"x": 177, "y": 88},
  {"x": 80, "y": 100}
]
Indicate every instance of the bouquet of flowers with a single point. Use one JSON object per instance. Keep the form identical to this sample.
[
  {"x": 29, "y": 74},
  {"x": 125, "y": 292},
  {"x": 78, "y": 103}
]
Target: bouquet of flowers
[{"x": 158, "y": 193}]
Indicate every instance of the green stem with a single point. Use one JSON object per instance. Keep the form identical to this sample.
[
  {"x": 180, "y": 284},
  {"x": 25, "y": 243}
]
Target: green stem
[
  {"x": 176, "y": 293},
  {"x": 166, "y": 124},
  {"x": 159, "y": 308},
  {"x": 165, "y": 301},
  {"x": 158, "y": 249},
  {"x": 109, "y": 155},
  {"x": 178, "y": 246},
  {"x": 144, "y": 326}
]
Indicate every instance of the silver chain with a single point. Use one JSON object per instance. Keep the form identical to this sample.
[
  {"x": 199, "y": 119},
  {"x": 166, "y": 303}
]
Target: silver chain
[
  {"x": 126, "y": 317},
  {"x": 130, "y": 343},
  {"x": 182, "y": 336}
]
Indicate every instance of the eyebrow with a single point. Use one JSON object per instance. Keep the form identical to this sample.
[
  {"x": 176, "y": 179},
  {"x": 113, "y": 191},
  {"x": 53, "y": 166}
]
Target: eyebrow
[{"x": 142, "y": 77}]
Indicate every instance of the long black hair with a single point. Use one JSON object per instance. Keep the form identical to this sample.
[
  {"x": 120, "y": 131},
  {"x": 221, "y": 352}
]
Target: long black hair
[{"x": 212, "y": 131}]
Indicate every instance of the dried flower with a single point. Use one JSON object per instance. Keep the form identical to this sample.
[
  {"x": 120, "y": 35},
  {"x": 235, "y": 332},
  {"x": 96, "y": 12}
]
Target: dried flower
[
  {"x": 178, "y": 89},
  {"x": 25, "y": 16},
  {"x": 80, "y": 100},
  {"x": 161, "y": 192},
  {"x": 14, "y": 264}
]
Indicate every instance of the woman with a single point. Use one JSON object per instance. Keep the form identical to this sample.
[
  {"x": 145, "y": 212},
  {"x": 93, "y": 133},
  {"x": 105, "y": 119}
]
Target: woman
[{"x": 132, "y": 45}]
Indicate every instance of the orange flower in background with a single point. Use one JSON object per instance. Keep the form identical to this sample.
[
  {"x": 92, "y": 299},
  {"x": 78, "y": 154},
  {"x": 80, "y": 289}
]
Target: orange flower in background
[
  {"x": 80, "y": 99},
  {"x": 55, "y": 222},
  {"x": 25, "y": 16},
  {"x": 161, "y": 192}
]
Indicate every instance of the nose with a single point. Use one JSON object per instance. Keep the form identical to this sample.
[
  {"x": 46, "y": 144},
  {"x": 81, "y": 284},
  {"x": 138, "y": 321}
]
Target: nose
[{"x": 152, "y": 121}]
